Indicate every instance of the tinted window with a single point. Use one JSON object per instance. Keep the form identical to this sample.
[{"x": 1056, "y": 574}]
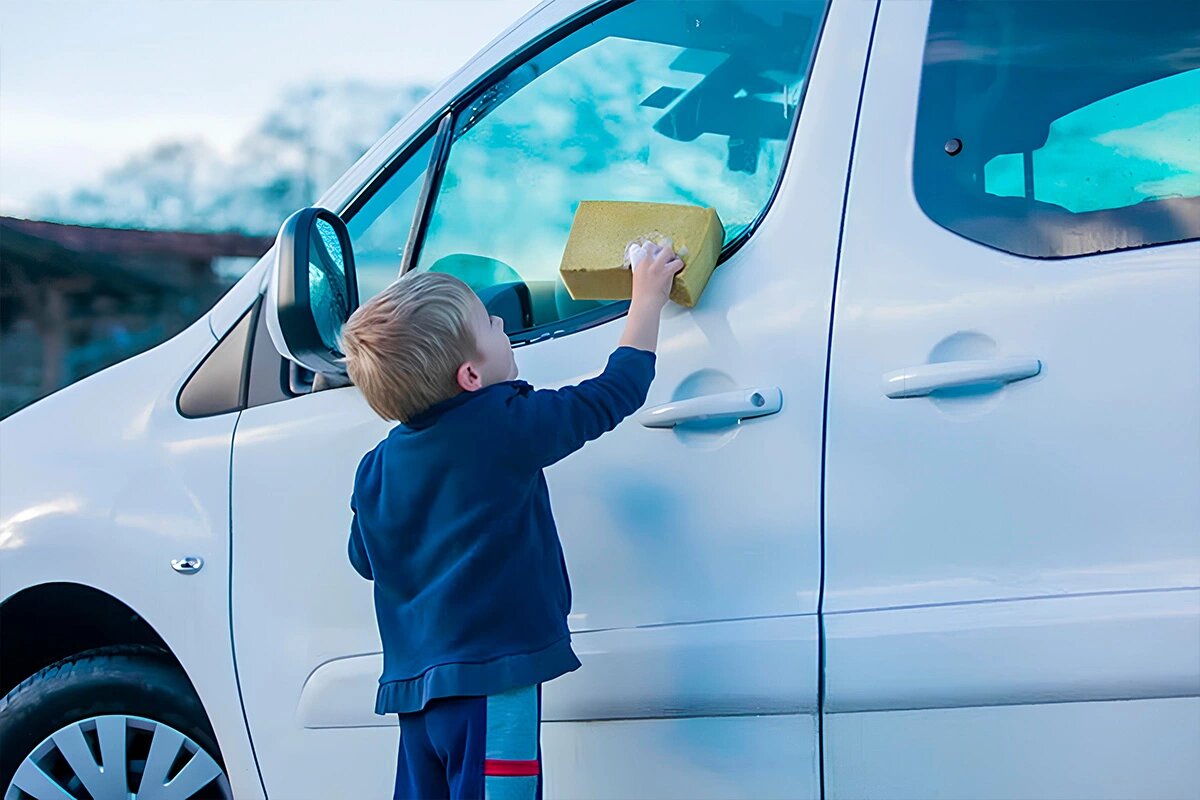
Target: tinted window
[
  {"x": 217, "y": 385},
  {"x": 666, "y": 102},
  {"x": 1061, "y": 128}
]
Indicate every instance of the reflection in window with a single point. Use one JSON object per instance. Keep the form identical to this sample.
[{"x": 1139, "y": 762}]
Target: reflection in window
[
  {"x": 663, "y": 102},
  {"x": 1059, "y": 127},
  {"x": 1137, "y": 145}
]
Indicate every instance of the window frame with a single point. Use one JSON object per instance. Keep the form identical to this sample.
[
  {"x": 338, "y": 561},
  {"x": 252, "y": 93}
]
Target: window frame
[{"x": 443, "y": 122}]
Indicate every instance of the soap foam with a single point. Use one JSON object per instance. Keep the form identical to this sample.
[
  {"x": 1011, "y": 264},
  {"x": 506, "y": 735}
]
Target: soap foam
[{"x": 635, "y": 248}]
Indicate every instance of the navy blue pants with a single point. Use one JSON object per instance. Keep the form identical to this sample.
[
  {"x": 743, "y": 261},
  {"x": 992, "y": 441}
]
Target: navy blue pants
[{"x": 472, "y": 748}]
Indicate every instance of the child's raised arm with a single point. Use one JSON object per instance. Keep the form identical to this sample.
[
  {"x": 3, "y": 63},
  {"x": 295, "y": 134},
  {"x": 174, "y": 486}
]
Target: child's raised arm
[{"x": 550, "y": 424}]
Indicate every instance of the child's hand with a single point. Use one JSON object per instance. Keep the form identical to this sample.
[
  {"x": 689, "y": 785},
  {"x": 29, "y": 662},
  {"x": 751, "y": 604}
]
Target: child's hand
[{"x": 654, "y": 268}]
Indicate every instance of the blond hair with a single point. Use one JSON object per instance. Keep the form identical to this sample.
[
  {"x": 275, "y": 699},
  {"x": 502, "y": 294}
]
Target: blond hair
[{"x": 403, "y": 347}]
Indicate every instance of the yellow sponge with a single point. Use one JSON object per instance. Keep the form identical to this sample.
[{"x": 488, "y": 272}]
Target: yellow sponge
[{"x": 595, "y": 266}]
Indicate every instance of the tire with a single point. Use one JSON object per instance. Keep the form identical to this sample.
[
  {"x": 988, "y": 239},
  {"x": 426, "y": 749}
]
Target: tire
[{"x": 94, "y": 697}]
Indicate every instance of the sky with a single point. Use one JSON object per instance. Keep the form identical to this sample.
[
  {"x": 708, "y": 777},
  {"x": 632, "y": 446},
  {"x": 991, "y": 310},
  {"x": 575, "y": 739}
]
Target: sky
[{"x": 86, "y": 83}]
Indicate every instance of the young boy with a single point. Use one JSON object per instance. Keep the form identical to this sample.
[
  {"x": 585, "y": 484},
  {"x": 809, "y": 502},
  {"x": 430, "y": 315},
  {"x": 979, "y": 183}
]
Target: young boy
[{"x": 452, "y": 521}]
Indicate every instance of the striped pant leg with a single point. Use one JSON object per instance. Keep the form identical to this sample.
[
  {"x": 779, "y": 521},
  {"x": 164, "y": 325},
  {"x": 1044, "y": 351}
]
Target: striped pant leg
[{"x": 512, "y": 766}]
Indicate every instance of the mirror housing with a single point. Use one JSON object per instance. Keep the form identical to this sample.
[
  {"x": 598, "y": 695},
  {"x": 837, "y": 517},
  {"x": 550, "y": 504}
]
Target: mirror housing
[{"x": 312, "y": 290}]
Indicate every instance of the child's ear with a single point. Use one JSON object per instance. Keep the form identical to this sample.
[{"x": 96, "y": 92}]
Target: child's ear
[{"x": 469, "y": 379}]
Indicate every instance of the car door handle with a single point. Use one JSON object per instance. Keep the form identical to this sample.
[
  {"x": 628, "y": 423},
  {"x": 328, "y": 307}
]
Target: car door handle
[
  {"x": 731, "y": 406},
  {"x": 921, "y": 380}
]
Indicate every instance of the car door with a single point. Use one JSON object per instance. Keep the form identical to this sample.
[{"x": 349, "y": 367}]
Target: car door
[
  {"x": 694, "y": 550},
  {"x": 304, "y": 636},
  {"x": 1013, "y": 448}
]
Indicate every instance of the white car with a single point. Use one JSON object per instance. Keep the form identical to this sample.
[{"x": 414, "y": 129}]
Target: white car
[{"x": 917, "y": 510}]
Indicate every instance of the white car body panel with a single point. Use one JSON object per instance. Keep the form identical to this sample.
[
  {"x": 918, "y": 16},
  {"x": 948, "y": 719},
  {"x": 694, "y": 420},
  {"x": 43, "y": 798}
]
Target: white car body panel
[
  {"x": 944, "y": 756},
  {"x": 1038, "y": 544},
  {"x": 132, "y": 485},
  {"x": 701, "y": 758},
  {"x": 296, "y": 606}
]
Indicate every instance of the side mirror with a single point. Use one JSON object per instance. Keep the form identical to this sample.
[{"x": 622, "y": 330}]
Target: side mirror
[{"x": 312, "y": 290}]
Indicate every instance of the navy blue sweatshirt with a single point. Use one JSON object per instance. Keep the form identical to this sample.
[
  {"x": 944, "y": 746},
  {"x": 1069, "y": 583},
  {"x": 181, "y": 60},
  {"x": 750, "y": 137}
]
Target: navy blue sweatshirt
[{"x": 452, "y": 522}]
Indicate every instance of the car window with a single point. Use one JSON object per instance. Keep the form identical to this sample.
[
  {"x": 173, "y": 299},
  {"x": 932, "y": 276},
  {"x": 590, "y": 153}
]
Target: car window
[
  {"x": 665, "y": 102},
  {"x": 218, "y": 385},
  {"x": 1061, "y": 128},
  {"x": 379, "y": 229}
]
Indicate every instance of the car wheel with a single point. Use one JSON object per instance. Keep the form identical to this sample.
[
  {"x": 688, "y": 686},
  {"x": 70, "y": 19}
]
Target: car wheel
[{"x": 117, "y": 722}]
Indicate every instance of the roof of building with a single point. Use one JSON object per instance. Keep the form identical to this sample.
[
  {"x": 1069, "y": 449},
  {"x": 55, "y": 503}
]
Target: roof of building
[
  {"x": 128, "y": 241},
  {"x": 122, "y": 260}
]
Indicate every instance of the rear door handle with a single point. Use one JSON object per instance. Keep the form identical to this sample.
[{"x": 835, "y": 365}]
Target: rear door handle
[
  {"x": 730, "y": 406},
  {"x": 921, "y": 380}
]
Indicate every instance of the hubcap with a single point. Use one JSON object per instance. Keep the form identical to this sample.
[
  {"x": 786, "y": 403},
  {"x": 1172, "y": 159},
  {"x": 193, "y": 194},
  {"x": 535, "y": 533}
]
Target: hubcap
[{"x": 118, "y": 757}]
